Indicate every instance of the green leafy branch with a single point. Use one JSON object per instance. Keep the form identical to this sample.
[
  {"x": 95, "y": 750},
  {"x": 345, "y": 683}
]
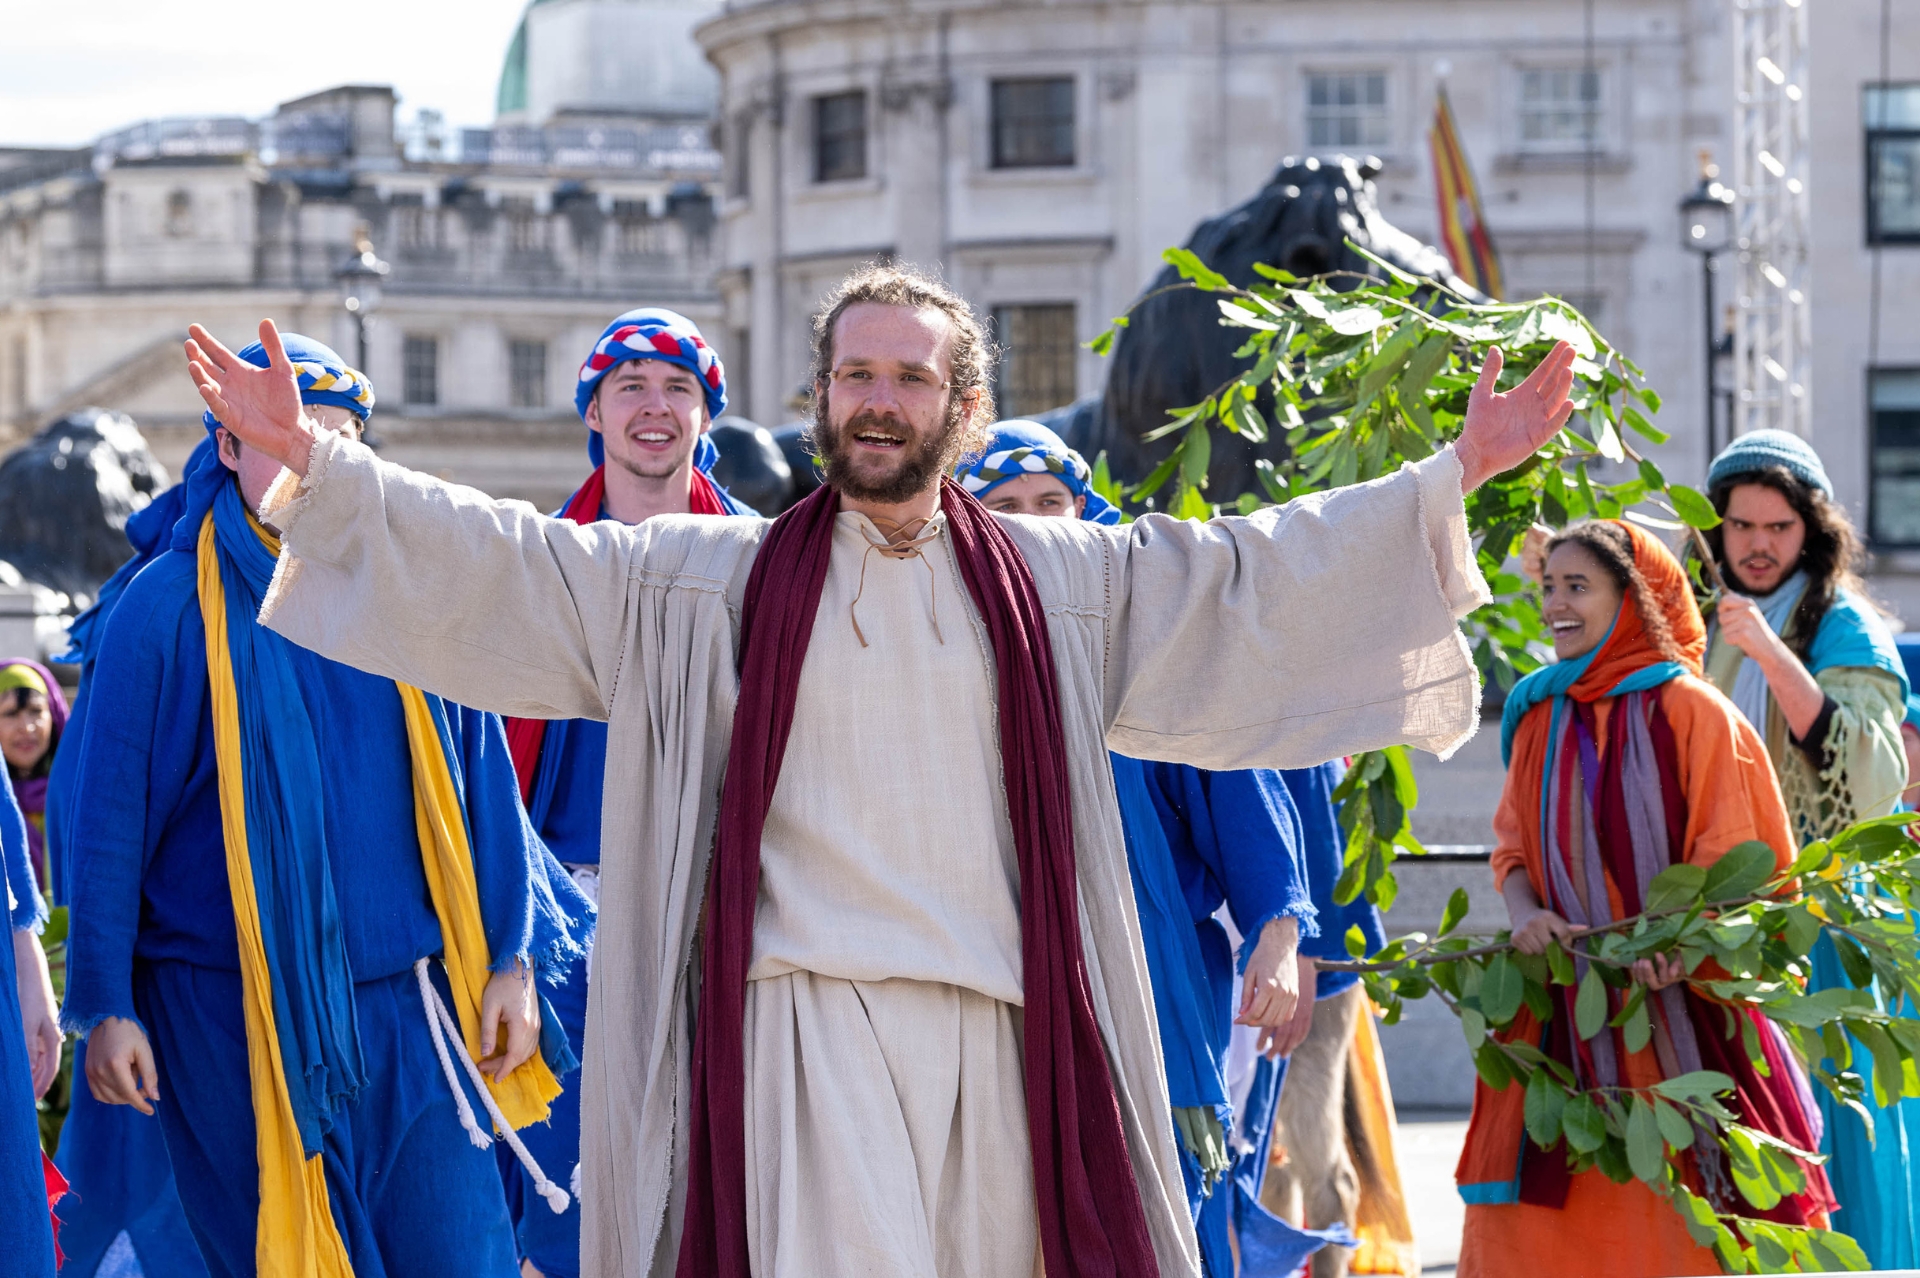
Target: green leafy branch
[
  {"x": 1347, "y": 376},
  {"x": 1744, "y": 930}
]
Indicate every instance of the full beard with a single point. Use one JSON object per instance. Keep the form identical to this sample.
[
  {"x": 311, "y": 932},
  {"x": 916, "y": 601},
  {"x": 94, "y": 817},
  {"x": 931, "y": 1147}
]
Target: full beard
[{"x": 924, "y": 456}]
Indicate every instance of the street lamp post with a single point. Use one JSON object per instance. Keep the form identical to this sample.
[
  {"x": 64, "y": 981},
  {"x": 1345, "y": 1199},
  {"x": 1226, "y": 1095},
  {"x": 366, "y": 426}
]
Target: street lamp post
[
  {"x": 361, "y": 277},
  {"x": 1706, "y": 228}
]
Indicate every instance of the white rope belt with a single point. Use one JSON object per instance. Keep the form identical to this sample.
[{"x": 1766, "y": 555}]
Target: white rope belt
[{"x": 438, "y": 1017}]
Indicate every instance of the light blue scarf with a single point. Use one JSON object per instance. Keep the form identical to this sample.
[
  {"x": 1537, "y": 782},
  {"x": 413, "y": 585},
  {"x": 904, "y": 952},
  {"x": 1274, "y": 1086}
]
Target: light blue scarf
[{"x": 1749, "y": 683}]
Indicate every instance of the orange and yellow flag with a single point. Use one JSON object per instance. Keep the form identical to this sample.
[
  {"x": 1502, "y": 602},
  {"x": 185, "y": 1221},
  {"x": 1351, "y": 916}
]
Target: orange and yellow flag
[{"x": 1463, "y": 227}]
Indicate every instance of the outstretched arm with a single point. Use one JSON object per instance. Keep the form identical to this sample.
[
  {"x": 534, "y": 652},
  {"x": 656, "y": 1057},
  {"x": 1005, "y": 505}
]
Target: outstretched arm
[
  {"x": 484, "y": 602},
  {"x": 1326, "y": 626}
]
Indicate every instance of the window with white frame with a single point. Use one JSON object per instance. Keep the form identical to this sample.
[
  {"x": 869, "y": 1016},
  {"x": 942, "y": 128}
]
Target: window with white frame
[
  {"x": 1347, "y": 109},
  {"x": 1560, "y": 108},
  {"x": 1033, "y": 123},
  {"x": 840, "y": 136}
]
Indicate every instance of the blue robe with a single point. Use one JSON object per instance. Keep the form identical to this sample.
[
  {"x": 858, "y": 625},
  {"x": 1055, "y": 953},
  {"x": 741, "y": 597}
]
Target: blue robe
[
  {"x": 1195, "y": 841},
  {"x": 26, "y": 1231},
  {"x": 153, "y": 935},
  {"x": 565, "y": 808},
  {"x": 113, "y": 1156}
]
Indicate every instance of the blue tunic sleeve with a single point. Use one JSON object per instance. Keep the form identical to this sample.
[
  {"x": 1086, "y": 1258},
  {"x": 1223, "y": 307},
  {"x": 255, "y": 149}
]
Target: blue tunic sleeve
[
  {"x": 1323, "y": 848},
  {"x": 1235, "y": 837},
  {"x": 528, "y": 903},
  {"x": 26, "y": 908},
  {"x": 134, "y": 765}
]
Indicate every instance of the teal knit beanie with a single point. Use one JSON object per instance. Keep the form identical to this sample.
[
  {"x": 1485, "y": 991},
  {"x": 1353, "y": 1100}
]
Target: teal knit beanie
[{"x": 1764, "y": 448}]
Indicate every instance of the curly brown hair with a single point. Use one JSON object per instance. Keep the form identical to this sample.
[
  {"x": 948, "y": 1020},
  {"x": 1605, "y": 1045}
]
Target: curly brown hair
[
  {"x": 970, "y": 353},
  {"x": 1609, "y": 543},
  {"x": 1830, "y": 556}
]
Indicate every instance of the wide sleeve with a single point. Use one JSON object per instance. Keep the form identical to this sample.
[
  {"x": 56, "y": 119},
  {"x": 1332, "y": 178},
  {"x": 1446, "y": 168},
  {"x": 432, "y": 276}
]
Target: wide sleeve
[
  {"x": 1301, "y": 633},
  {"x": 530, "y": 907},
  {"x": 1247, "y": 834},
  {"x": 25, "y": 907},
  {"x": 486, "y": 603},
  {"x": 1862, "y": 763},
  {"x": 134, "y": 764}
]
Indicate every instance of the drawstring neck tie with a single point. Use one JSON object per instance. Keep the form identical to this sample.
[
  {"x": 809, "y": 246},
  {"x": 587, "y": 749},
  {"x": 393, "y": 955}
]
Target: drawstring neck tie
[{"x": 901, "y": 541}]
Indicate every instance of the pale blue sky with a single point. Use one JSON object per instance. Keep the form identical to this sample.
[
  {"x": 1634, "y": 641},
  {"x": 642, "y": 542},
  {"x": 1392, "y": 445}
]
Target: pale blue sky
[{"x": 71, "y": 70}]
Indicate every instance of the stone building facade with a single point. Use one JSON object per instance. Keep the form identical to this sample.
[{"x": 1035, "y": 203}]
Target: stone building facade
[
  {"x": 1044, "y": 155},
  {"x": 508, "y": 253}
]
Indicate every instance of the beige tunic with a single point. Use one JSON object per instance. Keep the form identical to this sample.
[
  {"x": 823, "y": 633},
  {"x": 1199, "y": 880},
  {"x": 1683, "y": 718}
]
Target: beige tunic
[
  {"x": 888, "y": 851},
  {"x": 885, "y": 1111},
  {"x": 1282, "y": 639}
]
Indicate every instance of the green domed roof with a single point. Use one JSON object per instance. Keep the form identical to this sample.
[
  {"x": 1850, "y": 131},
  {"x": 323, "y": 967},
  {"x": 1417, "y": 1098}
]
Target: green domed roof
[{"x": 511, "y": 95}]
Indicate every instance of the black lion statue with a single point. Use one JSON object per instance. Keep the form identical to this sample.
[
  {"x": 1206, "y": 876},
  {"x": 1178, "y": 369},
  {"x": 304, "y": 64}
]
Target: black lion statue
[
  {"x": 1175, "y": 350},
  {"x": 65, "y": 496}
]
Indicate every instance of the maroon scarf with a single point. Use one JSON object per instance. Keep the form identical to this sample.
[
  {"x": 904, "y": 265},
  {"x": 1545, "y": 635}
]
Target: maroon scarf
[
  {"x": 1091, "y": 1221},
  {"x": 526, "y": 736}
]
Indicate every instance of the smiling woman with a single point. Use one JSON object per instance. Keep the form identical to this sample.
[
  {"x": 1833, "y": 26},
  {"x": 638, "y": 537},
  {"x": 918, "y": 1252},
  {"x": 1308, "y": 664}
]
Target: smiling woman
[
  {"x": 33, "y": 713},
  {"x": 1589, "y": 571},
  {"x": 1623, "y": 762}
]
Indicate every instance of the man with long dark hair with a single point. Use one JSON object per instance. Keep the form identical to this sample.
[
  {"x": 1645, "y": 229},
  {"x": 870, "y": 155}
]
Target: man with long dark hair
[
  {"x": 1800, "y": 649},
  {"x": 1796, "y": 643}
]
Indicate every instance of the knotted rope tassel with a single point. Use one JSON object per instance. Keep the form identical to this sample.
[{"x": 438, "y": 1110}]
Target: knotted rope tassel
[{"x": 438, "y": 1017}]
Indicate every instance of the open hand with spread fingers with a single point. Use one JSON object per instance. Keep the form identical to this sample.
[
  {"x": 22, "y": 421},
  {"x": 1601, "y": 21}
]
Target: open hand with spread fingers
[
  {"x": 260, "y": 406},
  {"x": 1503, "y": 430}
]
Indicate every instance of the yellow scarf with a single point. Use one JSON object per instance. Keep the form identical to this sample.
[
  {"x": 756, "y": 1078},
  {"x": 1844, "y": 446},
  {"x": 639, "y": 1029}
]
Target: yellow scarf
[{"x": 296, "y": 1236}]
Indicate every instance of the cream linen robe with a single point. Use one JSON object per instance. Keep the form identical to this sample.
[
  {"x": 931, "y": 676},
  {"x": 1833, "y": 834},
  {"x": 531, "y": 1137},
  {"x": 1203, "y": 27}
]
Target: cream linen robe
[{"x": 1282, "y": 639}]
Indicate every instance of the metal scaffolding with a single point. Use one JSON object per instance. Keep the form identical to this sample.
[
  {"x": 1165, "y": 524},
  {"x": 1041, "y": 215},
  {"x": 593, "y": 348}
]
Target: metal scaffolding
[{"x": 1772, "y": 342}]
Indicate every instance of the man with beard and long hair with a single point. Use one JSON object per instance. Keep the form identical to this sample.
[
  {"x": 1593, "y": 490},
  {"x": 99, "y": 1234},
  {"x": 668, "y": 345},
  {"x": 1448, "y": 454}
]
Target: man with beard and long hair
[
  {"x": 858, "y": 811},
  {"x": 1800, "y": 649},
  {"x": 648, "y": 391}
]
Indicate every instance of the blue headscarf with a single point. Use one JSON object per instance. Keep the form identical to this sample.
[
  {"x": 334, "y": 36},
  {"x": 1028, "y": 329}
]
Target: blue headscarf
[
  {"x": 324, "y": 377},
  {"x": 654, "y": 332},
  {"x": 1021, "y": 447}
]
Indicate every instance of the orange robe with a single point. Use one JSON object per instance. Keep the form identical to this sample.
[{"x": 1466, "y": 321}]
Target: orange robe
[{"x": 1607, "y": 1230}]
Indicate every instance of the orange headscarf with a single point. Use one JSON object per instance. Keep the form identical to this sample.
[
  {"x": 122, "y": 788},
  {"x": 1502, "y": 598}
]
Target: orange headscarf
[{"x": 1629, "y": 648}]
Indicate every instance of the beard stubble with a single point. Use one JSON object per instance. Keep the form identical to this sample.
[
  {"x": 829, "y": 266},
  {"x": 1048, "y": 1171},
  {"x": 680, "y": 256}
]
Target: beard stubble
[{"x": 924, "y": 457}]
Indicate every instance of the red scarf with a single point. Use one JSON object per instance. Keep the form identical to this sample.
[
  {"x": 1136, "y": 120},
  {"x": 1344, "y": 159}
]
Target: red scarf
[
  {"x": 526, "y": 736},
  {"x": 1091, "y": 1221}
]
